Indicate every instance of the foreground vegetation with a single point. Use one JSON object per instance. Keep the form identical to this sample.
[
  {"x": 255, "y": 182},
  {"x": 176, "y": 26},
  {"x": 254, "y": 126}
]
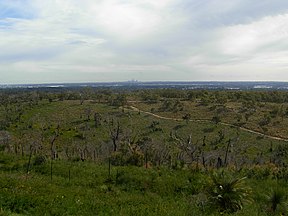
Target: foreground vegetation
[
  {"x": 86, "y": 188},
  {"x": 146, "y": 152}
]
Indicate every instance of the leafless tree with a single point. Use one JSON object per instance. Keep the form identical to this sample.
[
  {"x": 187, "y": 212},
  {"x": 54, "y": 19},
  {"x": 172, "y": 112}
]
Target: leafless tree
[
  {"x": 5, "y": 141},
  {"x": 115, "y": 134},
  {"x": 186, "y": 145}
]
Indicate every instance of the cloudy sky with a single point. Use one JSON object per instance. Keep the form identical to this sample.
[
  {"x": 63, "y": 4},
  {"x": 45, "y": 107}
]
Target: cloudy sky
[{"x": 147, "y": 40}]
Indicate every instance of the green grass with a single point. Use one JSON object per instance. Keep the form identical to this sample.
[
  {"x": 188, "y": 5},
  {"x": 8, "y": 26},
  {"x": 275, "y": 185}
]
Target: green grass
[
  {"x": 176, "y": 180},
  {"x": 39, "y": 124},
  {"x": 128, "y": 191}
]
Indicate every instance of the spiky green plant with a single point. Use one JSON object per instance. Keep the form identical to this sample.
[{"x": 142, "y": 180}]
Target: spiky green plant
[
  {"x": 227, "y": 193},
  {"x": 276, "y": 198}
]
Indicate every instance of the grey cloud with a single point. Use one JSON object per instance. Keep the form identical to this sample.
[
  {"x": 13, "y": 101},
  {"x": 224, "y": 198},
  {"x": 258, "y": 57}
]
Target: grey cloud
[{"x": 168, "y": 40}]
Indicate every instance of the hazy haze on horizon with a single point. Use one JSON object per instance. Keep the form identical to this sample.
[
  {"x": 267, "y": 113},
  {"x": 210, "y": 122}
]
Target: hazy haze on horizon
[{"x": 147, "y": 40}]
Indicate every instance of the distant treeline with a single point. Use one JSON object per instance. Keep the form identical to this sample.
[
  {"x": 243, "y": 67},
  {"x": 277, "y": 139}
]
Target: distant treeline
[{"x": 89, "y": 93}]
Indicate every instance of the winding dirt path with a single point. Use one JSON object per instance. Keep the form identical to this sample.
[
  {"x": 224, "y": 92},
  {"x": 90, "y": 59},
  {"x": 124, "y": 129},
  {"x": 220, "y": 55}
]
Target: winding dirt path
[{"x": 135, "y": 109}]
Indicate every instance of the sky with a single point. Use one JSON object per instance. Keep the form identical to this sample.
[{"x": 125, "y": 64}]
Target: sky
[{"x": 60, "y": 41}]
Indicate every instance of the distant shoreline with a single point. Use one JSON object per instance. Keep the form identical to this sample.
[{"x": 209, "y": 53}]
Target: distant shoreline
[{"x": 213, "y": 85}]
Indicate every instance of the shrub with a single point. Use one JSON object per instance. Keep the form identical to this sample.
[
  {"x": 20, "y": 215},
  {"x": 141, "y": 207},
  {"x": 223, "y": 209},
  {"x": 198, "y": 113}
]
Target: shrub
[
  {"x": 121, "y": 159},
  {"x": 226, "y": 193},
  {"x": 39, "y": 160},
  {"x": 276, "y": 201}
]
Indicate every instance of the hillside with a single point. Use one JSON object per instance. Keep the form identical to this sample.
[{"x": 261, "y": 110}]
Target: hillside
[{"x": 156, "y": 148}]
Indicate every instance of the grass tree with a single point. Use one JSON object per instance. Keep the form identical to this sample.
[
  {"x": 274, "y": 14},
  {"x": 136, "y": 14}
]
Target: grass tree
[
  {"x": 227, "y": 193},
  {"x": 277, "y": 201}
]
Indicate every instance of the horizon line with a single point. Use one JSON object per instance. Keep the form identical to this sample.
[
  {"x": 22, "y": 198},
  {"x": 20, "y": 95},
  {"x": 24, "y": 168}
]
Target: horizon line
[{"x": 152, "y": 81}]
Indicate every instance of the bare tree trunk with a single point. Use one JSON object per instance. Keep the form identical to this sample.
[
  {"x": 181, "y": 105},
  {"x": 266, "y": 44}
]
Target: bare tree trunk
[
  {"x": 29, "y": 161},
  {"x": 51, "y": 169},
  {"x": 146, "y": 160},
  {"x": 203, "y": 160},
  {"x": 114, "y": 134},
  {"x": 226, "y": 153}
]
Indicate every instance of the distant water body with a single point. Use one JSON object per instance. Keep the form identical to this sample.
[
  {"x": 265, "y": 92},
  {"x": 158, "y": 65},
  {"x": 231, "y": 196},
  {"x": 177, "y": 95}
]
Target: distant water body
[{"x": 158, "y": 85}]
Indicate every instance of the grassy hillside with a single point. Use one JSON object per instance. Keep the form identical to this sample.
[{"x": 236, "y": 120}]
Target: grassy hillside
[
  {"x": 85, "y": 188},
  {"x": 156, "y": 152},
  {"x": 76, "y": 136}
]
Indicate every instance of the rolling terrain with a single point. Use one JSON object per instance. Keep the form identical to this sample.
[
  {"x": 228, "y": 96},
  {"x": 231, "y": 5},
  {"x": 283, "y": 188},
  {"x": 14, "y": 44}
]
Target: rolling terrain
[{"x": 152, "y": 151}]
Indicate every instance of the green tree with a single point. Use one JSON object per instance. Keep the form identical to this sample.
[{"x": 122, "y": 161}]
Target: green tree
[
  {"x": 187, "y": 117},
  {"x": 216, "y": 119}
]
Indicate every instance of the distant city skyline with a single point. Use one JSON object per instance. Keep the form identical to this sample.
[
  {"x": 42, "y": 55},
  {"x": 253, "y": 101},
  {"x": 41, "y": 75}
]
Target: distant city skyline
[{"x": 67, "y": 41}]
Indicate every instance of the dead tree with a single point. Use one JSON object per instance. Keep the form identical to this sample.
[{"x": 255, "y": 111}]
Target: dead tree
[
  {"x": 52, "y": 144},
  {"x": 5, "y": 141},
  {"x": 115, "y": 135},
  {"x": 229, "y": 148},
  {"x": 97, "y": 119},
  {"x": 187, "y": 146}
]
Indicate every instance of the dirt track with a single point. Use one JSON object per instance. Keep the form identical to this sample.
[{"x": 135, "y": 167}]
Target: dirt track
[{"x": 203, "y": 120}]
